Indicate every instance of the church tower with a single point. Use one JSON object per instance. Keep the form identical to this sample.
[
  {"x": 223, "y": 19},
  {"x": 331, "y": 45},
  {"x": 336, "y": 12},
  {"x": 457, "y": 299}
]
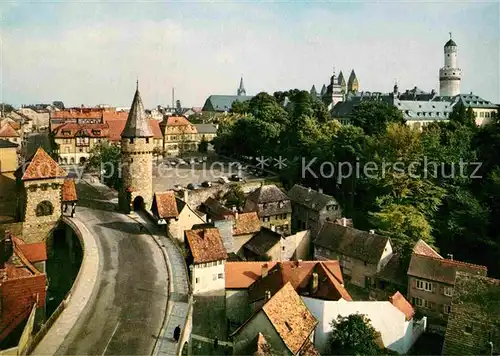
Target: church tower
[
  {"x": 333, "y": 92},
  {"x": 137, "y": 159},
  {"x": 352, "y": 83},
  {"x": 450, "y": 75},
  {"x": 342, "y": 83},
  {"x": 241, "y": 89}
]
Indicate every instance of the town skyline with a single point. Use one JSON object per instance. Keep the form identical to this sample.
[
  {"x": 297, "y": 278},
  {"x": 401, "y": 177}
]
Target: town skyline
[{"x": 203, "y": 49}]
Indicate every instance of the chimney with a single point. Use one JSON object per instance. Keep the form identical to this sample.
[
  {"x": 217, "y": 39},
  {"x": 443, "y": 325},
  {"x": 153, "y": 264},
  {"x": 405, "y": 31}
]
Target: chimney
[
  {"x": 372, "y": 232},
  {"x": 185, "y": 196},
  {"x": 314, "y": 283},
  {"x": 268, "y": 295},
  {"x": 265, "y": 270},
  {"x": 273, "y": 228},
  {"x": 450, "y": 256},
  {"x": 320, "y": 190},
  {"x": 344, "y": 222}
]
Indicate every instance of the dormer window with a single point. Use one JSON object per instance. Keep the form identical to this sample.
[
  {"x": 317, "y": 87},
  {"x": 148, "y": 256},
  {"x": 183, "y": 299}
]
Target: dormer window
[{"x": 281, "y": 205}]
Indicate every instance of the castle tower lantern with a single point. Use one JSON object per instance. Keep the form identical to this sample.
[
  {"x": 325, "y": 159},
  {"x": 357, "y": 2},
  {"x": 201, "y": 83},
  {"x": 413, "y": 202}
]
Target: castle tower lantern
[
  {"x": 137, "y": 159},
  {"x": 450, "y": 76}
]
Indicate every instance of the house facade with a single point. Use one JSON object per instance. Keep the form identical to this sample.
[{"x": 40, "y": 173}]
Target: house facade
[
  {"x": 272, "y": 206},
  {"x": 186, "y": 219},
  {"x": 431, "y": 285},
  {"x": 8, "y": 165},
  {"x": 164, "y": 207},
  {"x": 206, "y": 260},
  {"x": 311, "y": 209},
  {"x": 361, "y": 253},
  {"x": 179, "y": 135}
]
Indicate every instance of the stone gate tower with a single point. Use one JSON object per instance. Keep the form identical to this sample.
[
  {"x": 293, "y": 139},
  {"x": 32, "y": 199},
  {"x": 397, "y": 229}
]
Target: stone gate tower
[
  {"x": 137, "y": 159},
  {"x": 450, "y": 75}
]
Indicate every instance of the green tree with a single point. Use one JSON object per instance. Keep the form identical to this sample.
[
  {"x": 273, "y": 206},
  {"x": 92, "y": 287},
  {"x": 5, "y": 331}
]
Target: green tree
[
  {"x": 240, "y": 107},
  {"x": 353, "y": 335},
  {"x": 6, "y": 108},
  {"x": 374, "y": 116},
  {"x": 234, "y": 197},
  {"x": 106, "y": 158}
]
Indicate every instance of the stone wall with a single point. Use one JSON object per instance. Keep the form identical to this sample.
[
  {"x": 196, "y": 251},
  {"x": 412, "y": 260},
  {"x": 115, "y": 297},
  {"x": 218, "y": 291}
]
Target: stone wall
[
  {"x": 36, "y": 228},
  {"x": 137, "y": 171}
]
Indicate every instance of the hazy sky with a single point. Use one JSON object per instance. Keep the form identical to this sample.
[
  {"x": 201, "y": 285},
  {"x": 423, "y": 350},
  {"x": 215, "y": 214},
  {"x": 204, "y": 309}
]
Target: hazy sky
[{"x": 92, "y": 52}]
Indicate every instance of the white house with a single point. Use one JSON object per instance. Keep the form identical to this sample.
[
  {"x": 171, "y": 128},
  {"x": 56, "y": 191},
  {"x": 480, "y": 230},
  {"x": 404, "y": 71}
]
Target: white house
[
  {"x": 393, "y": 319},
  {"x": 206, "y": 260}
]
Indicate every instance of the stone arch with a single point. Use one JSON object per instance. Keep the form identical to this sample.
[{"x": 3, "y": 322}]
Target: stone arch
[
  {"x": 138, "y": 203},
  {"x": 72, "y": 160},
  {"x": 65, "y": 160},
  {"x": 185, "y": 348},
  {"x": 82, "y": 160},
  {"x": 44, "y": 208}
]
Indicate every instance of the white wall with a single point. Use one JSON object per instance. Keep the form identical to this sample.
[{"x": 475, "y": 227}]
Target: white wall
[
  {"x": 386, "y": 256},
  {"x": 208, "y": 277},
  {"x": 396, "y": 332}
]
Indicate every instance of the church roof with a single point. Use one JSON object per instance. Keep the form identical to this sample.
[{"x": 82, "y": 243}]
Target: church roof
[
  {"x": 450, "y": 43},
  {"x": 223, "y": 103},
  {"x": 137, "y": 124}
]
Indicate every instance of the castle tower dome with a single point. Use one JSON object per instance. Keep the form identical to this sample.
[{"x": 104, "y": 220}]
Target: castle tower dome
[
  {"x": 137, "y": 159},
  {"x": 241, "y": 90},
  {"x": 450, "y": 76}
]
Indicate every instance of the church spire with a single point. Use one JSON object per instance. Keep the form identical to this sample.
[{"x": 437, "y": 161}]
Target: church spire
[
  {"x": 137, "y": 124},
  {"x": 241, "y": 89}
]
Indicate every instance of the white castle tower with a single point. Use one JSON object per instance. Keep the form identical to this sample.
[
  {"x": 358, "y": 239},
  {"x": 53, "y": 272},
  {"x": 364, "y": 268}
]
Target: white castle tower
[{"x": 450, "y": 75}]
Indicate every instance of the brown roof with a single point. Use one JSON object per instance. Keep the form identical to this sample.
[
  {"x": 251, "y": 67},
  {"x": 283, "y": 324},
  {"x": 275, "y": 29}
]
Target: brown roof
[
  {"x": 34, "y": 252},
  {"x": 358, "y": 244},
  {"x": 422, "y": 248},
  {"x": 246, "y": 223},
  {"x": 272, "y": 200},
  {"x": 83, "y": 113},
  {"x": 290, "y": 318},
  {"x": 267, "y": 194},
  {"x": 117, "y": 125},
  {"x": 263, "y": 241},
  {"x": 177, "y": 121},
  {"x": 15, "y": 125},
  {"x": 69, "y": 190},
  {"x": 165, "y": 205},
  {"x": 8, "y": 131},
  {"x": 400, "y": 302},
  {"x": 241, "y": 275},
  {"x": 309, "y": 350},
  {"x": 216, "y": 210},
  {"x": 42, "y": 166},
  {"x": 259, "y": 347},
  {"x": 441, "y": 269},
  {"x": 300, "y": 274},
  {"x": 206, "y": 245}
]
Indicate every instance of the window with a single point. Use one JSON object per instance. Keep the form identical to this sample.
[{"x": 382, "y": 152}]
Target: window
[
  {"x": 418, "y": 302},
  {"x": 147, "y": 139},
  {"x": 282, "y": 248},
  {"x": 448, "y": 291},
  {"x": 131, "y": 140},
  {"x": 265, "y": 219},
  {"x": 281, "y": 204},
  {"x": 220, "y": 275},
  {"x": 288, "y": 326},
  {"x": 446, "y": 309},
  {"x": 197, "y": 280},
  {"x": 423, "y": 285},
  {"x": 468, "y": 328},
  {"x": 45, "y": 208}
]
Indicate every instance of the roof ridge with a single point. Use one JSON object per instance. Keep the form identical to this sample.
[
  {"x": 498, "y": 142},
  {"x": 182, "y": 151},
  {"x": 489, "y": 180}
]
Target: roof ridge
[{"x": 453, "y": 262}]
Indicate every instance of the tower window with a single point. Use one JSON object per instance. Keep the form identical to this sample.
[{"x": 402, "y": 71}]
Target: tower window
[
  {"x": 448, "y": 55},
  {"x": 131, "y": 140},
  {"x": 45, "y": 208},
  {"x": 147, "y": 139}
]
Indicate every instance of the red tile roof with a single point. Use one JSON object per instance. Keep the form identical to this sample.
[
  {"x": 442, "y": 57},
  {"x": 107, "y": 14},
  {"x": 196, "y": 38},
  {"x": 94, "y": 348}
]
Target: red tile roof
[
  {"x": 246, "y": 223},
  {"x": 206, "y": 245},
  {"x": 42, "y": 166},
  {"x": 34, "y": 252},
  {"x": 165, "y": 205},
  {"x": 241, "y": 275},
  {"x": 8, "y": 131},
  {"x": 114, "y": 115},
  {"x": 422, "y": 248},
  {"x": 116, "y": 127},
  {"x": 400, "y": 302},
  {"x": 84, "y": 113},
  {"x": 70, "y": 130},
  {"x": 177, "y": 121},
  {"x": 69, "y": 190},
  {"x": 290, "y": 318}
]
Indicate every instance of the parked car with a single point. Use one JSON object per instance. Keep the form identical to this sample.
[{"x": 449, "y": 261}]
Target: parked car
[
  {"x": 181, "y": 161},
  {"x": 173, "y": 163},
  {"x": 223, "y": 180},
  {"x": 191, "y": 186},
  {"x": 178, "y": 188},
  {"x": 236, "y": 178},
  {"x": 206, "y": 184}
]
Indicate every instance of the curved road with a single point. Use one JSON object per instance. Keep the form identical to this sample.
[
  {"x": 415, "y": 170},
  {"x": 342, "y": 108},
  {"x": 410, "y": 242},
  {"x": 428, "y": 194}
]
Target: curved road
[{"x": 128, "y": 305}]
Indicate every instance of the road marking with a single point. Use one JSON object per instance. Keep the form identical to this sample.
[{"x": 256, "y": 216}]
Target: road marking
[{"x": 111, "y": 338}]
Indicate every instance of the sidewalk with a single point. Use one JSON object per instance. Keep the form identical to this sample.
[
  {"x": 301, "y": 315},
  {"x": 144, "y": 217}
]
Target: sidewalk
[{"x": 79, "y": 296}]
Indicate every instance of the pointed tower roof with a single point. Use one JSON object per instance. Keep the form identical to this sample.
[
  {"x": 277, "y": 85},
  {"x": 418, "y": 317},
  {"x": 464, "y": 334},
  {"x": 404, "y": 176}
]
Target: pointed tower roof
[
  {"x": 341, "y": 78},
  {"x": 323, "y": 90},
  {"x": 41, "y": 166},
  {"x": 313, "y": 91},
  {"x": 137, "y": 124},
  {"x": 241, "y": 89},
  {"x": 352, "y": 76}
]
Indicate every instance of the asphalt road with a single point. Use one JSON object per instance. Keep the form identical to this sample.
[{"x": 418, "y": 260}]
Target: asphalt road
[{"x": 128, "y": 304}]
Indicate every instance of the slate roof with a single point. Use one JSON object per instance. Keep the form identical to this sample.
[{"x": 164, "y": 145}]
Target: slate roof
[
  {"x": 69, "y": 190},
  {"x": 352, "y": 242},
  {"x": 450, "y": 43},
  {"x": 7, "y": 144},
  {"x": 137, "y": 123},
  {"x": 310, "y": 198},
  {"x": 394, "y": 271},
  {"x": 41, "y": 166},
  {"x": 263, "y": 241},
  {"x": 8, "y": 131},
  {"x": 300, "y": 274},
  {"x": 476, "y": 299},
  {"x": 422, "y": 248},
  {"x": 424, "y": 110},
  {"x": 206, "y": 128},
  {"x": 276, "y": 202},
  {"x": 206, "y": 245},
  {"x": 246, "y": 223},
  {"x": 441, "y": 269},
  {"x": 164, "y": 205},
  {"x": 474, "y": 101},
  {"x": 216, "y": 210},
  {"x": 223, "y": 103},
  {"x": 400, "y": 302}
]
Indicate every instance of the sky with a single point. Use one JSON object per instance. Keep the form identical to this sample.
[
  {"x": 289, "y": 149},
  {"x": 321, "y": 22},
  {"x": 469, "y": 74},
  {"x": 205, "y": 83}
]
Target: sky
[{"x": 92, "y": 53}]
